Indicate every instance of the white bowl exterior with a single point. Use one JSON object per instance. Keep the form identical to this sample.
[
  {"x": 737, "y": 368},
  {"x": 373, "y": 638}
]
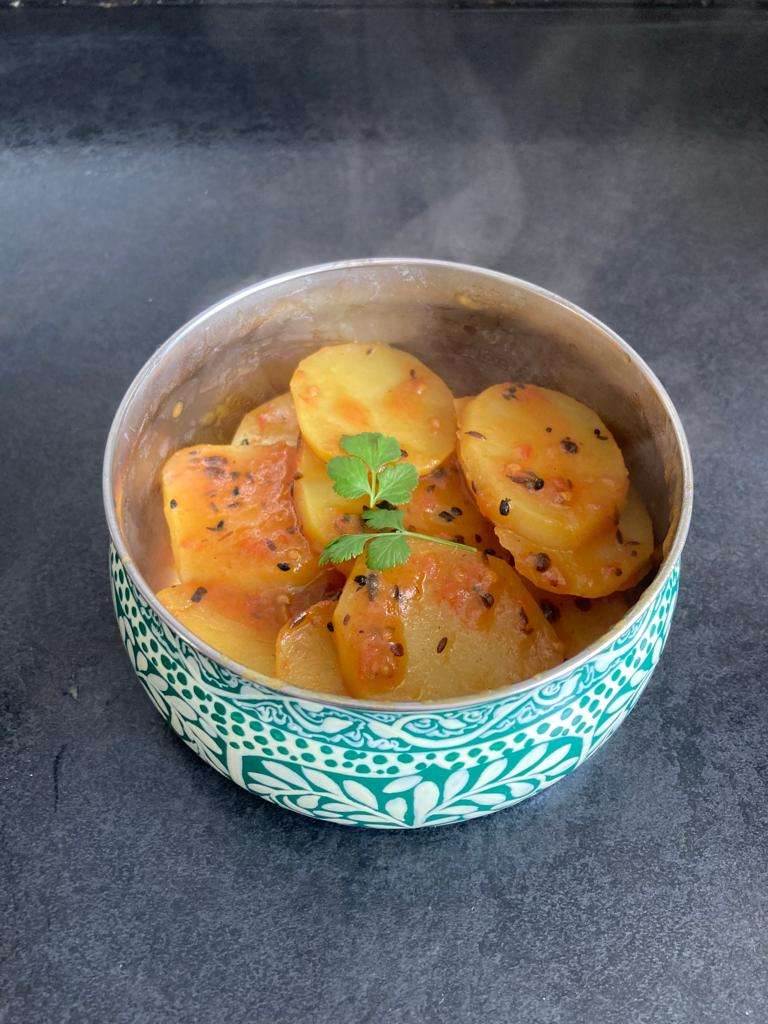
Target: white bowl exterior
[{"x": 390, "y": 769}]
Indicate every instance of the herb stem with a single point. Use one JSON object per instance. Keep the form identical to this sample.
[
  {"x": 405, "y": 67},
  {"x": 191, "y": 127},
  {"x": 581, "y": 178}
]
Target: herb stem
[{"x": 437, "y": 540}]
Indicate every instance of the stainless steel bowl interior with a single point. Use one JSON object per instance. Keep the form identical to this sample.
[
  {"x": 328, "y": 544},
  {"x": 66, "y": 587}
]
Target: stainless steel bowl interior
[{"x": 474, "y": 327}]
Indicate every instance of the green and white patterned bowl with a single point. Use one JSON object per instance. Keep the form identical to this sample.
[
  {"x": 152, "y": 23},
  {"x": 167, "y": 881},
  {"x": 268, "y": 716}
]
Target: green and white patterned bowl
[{"x": 367, "y": 763}]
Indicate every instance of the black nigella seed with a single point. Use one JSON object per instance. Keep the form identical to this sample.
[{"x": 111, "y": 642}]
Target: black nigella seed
[
  {"x": 297, "y": 476},
  {"x": 345, "y": 620},
  {"x": 478, "y": 539},
  {"x": 173, "y": 503},
  {"x": 618, "y": 571},
  {"x": 489, "y": 551},
  {"x": 403, "y": 453},
  {"x": 456, "y": 511},
  {"x": 599, "y": 435},
  {"x": 396, "y": 592},
  {"x": 446, "y": 516},
  {"x": 504, "y": 507},
  {"x": 235, "y": 491},
  {"x": 372, "y": 582},
  {"x": 582, "y": 603},
  {"x": 217, "y": 527},
  {"x": 619, "y": 537},
  {"x": 283, "y": 566},
  {"x": 569, "y": 445},
  {"x": 441, "y": 644},
  {"x": 270, "y": 544},
  {"x": 198, "y": 595},
  {"x": 397, "y": 649},
  {"x": 551, "y": 613},
  {"x": 511, "y": 392},
  {"x": 361, "y": 580},
  {"x": 387, "y": 505},
  {"x": 430, "y": 488},
  {"x": 245, "y": 441},
  {"x": 548, "y": 429},
  {"x": 475, "y": 433},
  {"x": 529, "y": 480},
  {"x": 458, "y": 538},
  {"x": 329, "y": 626},
  {"x": 412, "y": 373},
  {"x": 541, "y": 562},
  {"x": 487, "y": 600}
]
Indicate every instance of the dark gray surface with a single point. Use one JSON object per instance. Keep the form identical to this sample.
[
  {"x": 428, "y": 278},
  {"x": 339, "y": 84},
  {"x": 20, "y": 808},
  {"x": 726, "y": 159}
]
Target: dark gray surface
[{"x": 152, "y": 162}]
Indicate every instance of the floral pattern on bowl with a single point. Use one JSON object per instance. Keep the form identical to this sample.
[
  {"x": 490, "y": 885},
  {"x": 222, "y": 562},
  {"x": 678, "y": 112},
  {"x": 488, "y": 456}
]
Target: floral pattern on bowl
[{"x": 389, "y": 769}]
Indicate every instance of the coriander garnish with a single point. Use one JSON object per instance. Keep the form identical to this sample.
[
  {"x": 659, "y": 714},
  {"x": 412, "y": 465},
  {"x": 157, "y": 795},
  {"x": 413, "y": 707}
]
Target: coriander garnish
[{"x": 372, "y": 469}]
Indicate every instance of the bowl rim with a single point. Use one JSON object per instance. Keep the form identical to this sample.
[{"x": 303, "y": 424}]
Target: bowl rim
[{"x": 251, "y": 678}]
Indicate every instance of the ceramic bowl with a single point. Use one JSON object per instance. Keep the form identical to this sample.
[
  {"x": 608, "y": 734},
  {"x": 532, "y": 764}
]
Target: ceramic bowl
[{"x": 365, "y": 763}]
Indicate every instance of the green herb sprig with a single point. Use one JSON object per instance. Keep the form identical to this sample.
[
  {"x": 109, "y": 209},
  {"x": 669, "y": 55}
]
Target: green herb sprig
[{"x": 372, "y": 468}]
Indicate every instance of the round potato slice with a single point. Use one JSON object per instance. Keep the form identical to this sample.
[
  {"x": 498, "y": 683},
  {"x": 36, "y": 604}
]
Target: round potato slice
[
  {"x": 614, "y": 560},
  {"x": 240, "y": 626},
  {"x": 579, "y": 621},
  {"x": 232, "y": 519},
  {"x": 445, "y": 624},
  {"x": 324, "y": 514},
  {"x": 541, "y": 463},
  {"x": 306, "y": 654},
  {"x": 271, "y": 423},
  {"x": 352, "y": 388},
  {"x": 442, "y": 506}
]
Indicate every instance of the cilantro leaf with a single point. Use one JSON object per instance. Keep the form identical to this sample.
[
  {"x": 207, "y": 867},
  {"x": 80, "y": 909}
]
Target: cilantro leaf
[
  {"x": 350, "y": 477},
  {"x": 397, "y": 483},
  {"x": 375, "y": 450},
  {"x": 387, "y": 551},
  {"x": 343, "y": 548},
  {"x": 383, "y": 518}
]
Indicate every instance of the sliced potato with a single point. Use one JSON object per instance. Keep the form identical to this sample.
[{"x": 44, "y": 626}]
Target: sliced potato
[
  {"x": 579, "y": 621},
  {"x": 324, "y": 515},
  {"x": 306, "y": 654},
  {"x": 614, "y": 560},
  {"x": 351, "y": 388},
  {"x": 231, "y": 517},
  {"x": 240, "y": 627},
  {"x": 541, "y": 463},
  {"x": 445, "y": 624},
  {"x": 442, "y": 506},
  {"x": 272, "y": 422}
]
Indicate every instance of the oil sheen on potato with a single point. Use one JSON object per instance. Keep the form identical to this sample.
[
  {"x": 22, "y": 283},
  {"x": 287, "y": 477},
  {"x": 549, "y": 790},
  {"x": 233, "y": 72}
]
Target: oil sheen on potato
[{"x": 445, "y": 624}]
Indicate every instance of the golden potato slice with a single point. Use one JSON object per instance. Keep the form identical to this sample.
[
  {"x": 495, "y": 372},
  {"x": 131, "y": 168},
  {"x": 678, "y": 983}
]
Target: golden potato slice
[
  {"x": 232, "y": 519},
  {"x": 579, "y": 621},
  {"x": 541, "y": 463},
  {"x": 240, "y": 627},
  {"x": 442, "y": 506},
  {"x": 614, "y": 560},
  {"x": 306, "y": 654},
  {"x": 272, "y": 422},
  {"x": 460, "y": 404},
  {"x": 324, "y": 515},
  {"x": 445, "y": 624},
  {"x": 348, "y": 389}
]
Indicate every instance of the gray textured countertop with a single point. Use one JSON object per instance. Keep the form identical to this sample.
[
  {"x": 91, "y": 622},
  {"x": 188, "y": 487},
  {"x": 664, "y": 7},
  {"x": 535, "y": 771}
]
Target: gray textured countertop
[{"x": 152, "y": 161}]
